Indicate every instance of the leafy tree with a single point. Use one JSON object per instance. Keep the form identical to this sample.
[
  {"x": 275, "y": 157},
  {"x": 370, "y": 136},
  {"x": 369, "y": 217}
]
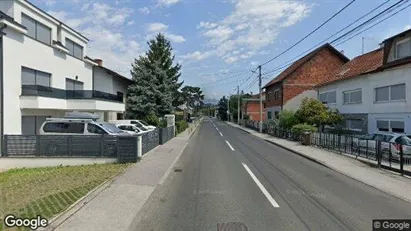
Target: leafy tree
[
  {"x": 152, "y": 119},
  {"x": 222, "y": 108},
  {"x": 287, "y": 119},
  {"x": 316, "y": 113},
  {"x": 156, "y": 85},
  {"x": 193, "y": 96},
  {"x": 234, "y": 104}
]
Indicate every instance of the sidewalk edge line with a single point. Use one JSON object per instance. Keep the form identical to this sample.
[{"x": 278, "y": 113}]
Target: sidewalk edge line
[{"x": 329, "y": 167}]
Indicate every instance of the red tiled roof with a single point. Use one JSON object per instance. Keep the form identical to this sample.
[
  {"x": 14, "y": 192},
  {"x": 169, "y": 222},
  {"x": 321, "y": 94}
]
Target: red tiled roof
[
  {"x": 300, "y": 62},
  {"x": 359, "y": 65}
]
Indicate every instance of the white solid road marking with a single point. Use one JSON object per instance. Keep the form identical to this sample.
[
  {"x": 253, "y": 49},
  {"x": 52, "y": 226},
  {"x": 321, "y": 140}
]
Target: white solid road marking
[
  {"x": 261, "y": 186},
  {"x": 221, "y": 134},
  {"x": 229, "y": 145}
]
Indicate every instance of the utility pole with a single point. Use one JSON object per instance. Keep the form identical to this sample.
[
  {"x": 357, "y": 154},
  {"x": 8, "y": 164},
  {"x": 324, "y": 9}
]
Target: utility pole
[
  {"x": 238, "y": 107},
  {"x": 228, "y": 108},
  {"x": 261, "y": 99},
  {"x": 362, "y": 47}
]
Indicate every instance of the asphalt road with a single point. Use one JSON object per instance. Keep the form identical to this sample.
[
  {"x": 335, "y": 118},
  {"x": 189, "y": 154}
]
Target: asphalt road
[{"x": 260, "y": 186}]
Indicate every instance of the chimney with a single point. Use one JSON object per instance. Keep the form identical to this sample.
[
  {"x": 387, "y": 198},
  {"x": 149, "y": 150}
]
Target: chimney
[{"x": 99, "y": 62}]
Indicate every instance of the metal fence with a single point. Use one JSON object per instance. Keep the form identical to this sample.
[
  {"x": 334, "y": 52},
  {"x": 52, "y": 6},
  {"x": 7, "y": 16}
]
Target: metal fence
[
  {"x": 69, "y": 145},
  {"x": 150, "y": 140},
  {"x": 166, "y": 134},
  {"x": 385, "y": 154}
]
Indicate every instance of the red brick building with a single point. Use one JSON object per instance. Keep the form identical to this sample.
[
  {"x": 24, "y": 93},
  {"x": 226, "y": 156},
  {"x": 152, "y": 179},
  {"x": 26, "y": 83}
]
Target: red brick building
[
  {"x": 287, "y": 90},
  {"x": 251, "y": 107}
]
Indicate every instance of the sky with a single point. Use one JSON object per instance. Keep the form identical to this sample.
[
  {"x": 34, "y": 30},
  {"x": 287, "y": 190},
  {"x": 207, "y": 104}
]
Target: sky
[{"x": 219, "y": 42}]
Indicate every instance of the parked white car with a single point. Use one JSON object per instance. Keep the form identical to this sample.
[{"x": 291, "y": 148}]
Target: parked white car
[
  {"x": 131, "y": 129},
  {"x": 139, "y": 123},
  {"x": 390, "y": 142},
  {"x": 66, "y": 126}
]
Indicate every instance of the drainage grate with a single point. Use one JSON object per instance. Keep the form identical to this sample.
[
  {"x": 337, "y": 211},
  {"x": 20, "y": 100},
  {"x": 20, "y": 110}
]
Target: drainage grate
[
  {"x": 232, "y": 226},
  {"x": 178, "y": 169}
]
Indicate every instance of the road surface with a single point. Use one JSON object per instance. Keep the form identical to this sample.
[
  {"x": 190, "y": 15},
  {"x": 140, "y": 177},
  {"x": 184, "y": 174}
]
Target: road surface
[{"x": 226, "y": 175}]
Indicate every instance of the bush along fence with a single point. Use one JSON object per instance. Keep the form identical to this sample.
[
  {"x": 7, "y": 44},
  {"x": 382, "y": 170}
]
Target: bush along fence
[
  {"x": 124, "y": 148},
  {"x": 388, "y": 155}
]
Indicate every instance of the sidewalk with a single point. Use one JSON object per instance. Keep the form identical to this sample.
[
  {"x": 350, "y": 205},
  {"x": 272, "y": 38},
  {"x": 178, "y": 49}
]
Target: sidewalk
[
  {"x": 113, "y": 205},
  {"x": 383, "y": 180}
]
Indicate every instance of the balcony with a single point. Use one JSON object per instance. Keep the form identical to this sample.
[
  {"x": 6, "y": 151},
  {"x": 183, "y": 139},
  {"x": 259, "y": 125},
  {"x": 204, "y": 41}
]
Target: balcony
[{"x": 42, "y": 97}]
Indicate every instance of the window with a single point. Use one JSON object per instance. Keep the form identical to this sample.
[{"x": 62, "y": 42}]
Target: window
[
  {"x": 403, "y": 48},
  {"x": 276, "y": 114},
  {"x": 354, "y": 96},
  {"x": 62, "y": 127},
  {"x": 75, "y": 49},
  {"x": 390, "y": 93},
  {"x": 387, "y": 138},
  {"x": 404, "y": 140},
  {"x": 353, "y": 124},
  {"x": 30, "y": 125},
  {"x": 276, "y": 94},
  {"x": 269, "y": 115},
  {"x": 74, "y": 85},
  {"x": 396, "y": 126},
  {"x": 328, "y": 97},
  {"x": 36, "y": 30},
  {"x": 92, "y": 128},
  {"x": 34, "y": 77}
]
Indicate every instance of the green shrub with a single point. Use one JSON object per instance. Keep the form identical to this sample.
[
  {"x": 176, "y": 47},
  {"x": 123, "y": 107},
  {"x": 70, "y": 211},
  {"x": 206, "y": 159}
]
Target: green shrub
[
  {"x": 181, "y": 126},
  {"x": 300, "y": 128},
  {"x": 179, "y": 117},
  {"x": 287, "y": 119},
  {"x": 152, "y": 119},
  {"x": 162, "y": 123}
]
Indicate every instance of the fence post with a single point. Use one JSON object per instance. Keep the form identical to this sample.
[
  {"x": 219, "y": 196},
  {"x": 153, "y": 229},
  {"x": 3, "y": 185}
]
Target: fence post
[
  {"x": 102, "y": 145},
  {"x": 139, "y": 146},
  {"x": 69, "y": 145},
  {"x": 379, "y": 153},
  {"x": 38, "y": 145},
  {"x": 366, "y": 149},
  {"x": 5, "y": 141},
  {"x": 401, "y": 161}
]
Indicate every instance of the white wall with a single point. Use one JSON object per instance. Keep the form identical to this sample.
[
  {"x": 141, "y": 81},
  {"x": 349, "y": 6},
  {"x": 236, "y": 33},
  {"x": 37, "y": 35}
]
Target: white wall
[
  {"x": 295, "y": 103},
  {"x": 368, "y": 83},
  {"x": 7, "y": 6}
]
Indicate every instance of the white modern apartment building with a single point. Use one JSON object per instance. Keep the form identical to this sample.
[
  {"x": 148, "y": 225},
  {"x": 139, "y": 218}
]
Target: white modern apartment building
[
  {"x": 372, "y": 91},
  {"x": 45, "y": 72}
]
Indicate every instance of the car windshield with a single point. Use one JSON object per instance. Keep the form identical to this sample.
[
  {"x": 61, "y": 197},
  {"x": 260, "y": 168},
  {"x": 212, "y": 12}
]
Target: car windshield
[
  {"x": 144, "y": 123},
  {"x": 111, "y": 128},
  {"x": 406, "y": 140}
]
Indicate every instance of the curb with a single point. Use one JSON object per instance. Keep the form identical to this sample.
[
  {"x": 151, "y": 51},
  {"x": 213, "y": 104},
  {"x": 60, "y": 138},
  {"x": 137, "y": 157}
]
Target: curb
[
  {"x": 54, "y": 223},
  {"x": 336, "y": 170}
]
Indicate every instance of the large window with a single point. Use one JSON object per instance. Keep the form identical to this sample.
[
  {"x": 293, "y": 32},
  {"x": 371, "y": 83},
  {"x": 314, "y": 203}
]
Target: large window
[
  {"x": 354, "y": 96},
  {"x": 353, "y": 124},
  {"x": 403, "y": 48},
  {"x": 276, "y": 94},
  {"x": 269, "y": 115},
  {"x": 75, "y": 49},
  {"x": 30, "y": 125},
  {"x": 35, "y": 77},
  {"x": 328, "y": 97},
  {"x": 391, "y": 126},
  {"x": 36, "y": 30},
  {"x": 74, "y": 85},
  {"x": 390, "y": 93}
]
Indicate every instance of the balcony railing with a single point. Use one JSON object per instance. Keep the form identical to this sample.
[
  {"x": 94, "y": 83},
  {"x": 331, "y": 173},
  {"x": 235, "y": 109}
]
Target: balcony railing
[{"x": 37, "y": 90}]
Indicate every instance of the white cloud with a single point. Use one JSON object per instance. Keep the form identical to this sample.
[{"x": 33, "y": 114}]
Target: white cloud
[
  {"x": 144, "y": 10},
  {"x": 175, "y": 38},
  {"x": 156, "y": 27},
  {"x": 251, "y": 26},
  {"x": 253, "y": 63},
  {"x": 130, "y": 23},
  {"x": 407, "y": 27},
  {"x": 167, "y": 2},
  {"x": 50, "y": 2},
  {"x": 197, "y": 55},
  {"x": 207, "y": 25}
]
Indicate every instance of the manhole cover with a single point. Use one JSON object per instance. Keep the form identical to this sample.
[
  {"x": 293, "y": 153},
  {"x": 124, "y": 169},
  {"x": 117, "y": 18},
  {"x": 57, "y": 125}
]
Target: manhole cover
[
  {"x": 231, "y": 226},
  {"x": 178, "y": 169}
]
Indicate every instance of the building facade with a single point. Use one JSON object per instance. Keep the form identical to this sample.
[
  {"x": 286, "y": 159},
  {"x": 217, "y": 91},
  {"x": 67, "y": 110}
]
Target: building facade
[
  {"x": 45, "y": 71},
  {"x": 371, "y": 90},
  {"x": 251, "y": 108},
  {"x": 297, "y": 82}
]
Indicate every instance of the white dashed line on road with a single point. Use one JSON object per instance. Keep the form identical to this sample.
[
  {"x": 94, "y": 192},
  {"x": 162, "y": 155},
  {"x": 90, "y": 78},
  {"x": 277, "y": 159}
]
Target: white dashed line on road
[
  {"x": 261, "y": 186},
  {"x": 221, "y": 134},
  {"x": 229, "y": 145}
]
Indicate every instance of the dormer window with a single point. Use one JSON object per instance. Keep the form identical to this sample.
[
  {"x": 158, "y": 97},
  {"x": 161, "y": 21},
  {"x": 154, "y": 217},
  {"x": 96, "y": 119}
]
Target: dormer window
[{"x": 403, "y": 48}]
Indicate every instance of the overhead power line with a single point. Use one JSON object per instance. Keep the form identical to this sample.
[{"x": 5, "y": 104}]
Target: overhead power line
[
  {"x": 312, "y": 32},
  {"x": 382, "y": 20},
  {"x": 230, "y": 77}
]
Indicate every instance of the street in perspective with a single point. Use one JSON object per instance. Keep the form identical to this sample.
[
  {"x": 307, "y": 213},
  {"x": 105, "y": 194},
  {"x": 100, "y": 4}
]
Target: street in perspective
[{"x": 234, "y": 115}]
